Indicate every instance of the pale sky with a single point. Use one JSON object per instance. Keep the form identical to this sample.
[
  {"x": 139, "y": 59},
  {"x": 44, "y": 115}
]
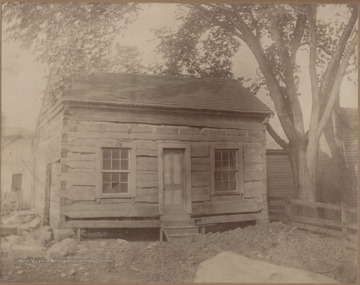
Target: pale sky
[{"x": 23, "y": 79}]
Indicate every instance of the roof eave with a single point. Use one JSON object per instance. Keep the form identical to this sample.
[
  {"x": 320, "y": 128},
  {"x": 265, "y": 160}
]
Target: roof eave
[{"x": 117, "y": 104}]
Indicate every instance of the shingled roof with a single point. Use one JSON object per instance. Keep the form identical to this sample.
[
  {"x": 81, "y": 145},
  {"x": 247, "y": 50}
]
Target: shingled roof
[{"x": 168, "y": 92}]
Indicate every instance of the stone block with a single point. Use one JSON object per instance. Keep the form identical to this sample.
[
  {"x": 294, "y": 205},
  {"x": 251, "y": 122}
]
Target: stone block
[
  {"x": 60, "y": 234},
  {"x": 63, "y": 248},
  {"x": 14, "y": 239}
]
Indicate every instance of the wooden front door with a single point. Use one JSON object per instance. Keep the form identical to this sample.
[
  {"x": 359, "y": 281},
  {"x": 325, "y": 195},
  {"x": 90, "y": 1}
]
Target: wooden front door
[{"x": 174, "y": 180}]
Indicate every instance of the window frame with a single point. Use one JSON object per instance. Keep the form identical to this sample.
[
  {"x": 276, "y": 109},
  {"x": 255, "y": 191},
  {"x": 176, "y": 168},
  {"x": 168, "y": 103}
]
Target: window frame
[
  {"x": 132, "y": 170},
  {"x": 239, "y": 166}
]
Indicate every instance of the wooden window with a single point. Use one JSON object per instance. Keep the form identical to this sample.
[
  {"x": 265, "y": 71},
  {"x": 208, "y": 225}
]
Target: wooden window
[
  {"x": 117, "y": 171},
  {"x": 226, "y": 169},
  {"x": 16, "y": 184}
]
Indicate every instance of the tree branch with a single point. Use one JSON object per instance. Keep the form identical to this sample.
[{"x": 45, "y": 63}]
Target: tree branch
[
  {"x": 255, "y": 23},
  {"x": 276, "y": 137},
  {"x": 315, "y": 108},
  {"x": 220, "y": 24},
  {"x": 337, "y": 83},
  {"x": 294, "y": 107},
  {"x": 297, "y": 37},
  {"x": 272, "y": 83},
  {"x": 338, "y": 51}
]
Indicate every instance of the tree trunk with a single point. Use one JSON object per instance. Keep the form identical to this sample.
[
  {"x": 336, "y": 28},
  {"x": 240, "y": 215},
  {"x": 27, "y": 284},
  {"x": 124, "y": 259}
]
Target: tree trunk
[{"x": 303, "y": 159}]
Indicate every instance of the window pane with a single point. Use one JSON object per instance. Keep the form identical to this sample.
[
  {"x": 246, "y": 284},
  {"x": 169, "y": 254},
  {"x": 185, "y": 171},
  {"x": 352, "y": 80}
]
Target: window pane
[
  {"x": 232, "y": 155},
  {"x": 218, "y": 164},
  {"x": 124, "y": 154},
  {"x": 225, "y": 165},
  {"x": 115, "y": 188},
  {"x": 107, "y": 153},
  {"x": 124, "y": 188},
  {"x": 224, "y": 176},
  {"x": 232, "y": 176},
  {"x": 115, "y": 154},
  {"x": 232, "y": 185},
  {"x": 107, "y": 164},
  {"x": 217, "y": 175},
  {"x": 217, "y": 154},
  {"x": 124, "y": 177},
  {"x": 115, "y": 177},
  {"x": 224, "y": 185},
  {"x": 106, "y": 177},
  {"x": 115, "y": 164},
  {"x": 232, "y": 164},
  {"x": 124, "y": 165},
  {"x": 225, "y": 155}
]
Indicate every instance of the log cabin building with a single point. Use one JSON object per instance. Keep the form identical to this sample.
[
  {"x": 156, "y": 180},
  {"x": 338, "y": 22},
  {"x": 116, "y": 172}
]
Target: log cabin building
[{"x": 132, "y": 151}]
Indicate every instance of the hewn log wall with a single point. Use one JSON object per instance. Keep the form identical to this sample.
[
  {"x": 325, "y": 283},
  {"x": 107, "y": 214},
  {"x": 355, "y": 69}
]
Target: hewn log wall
[
  {"x": 49, "y": 152},
  {"x": 81, "y": 138}
]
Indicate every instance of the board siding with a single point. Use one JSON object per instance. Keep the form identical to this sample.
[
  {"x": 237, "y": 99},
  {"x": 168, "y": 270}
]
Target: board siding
[{"x": 84, "y": 137}]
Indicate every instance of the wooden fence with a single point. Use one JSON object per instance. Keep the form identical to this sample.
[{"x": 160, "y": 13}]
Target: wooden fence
[
  {"x": 322, "y": 218},
  {"x": 276, "y": 206}
]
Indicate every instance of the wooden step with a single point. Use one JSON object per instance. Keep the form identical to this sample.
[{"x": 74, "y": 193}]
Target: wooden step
[
  {"x": 179, "y": 226},
  {"x": 186, "y": 229},
  {"x": 183, "y": 237}
]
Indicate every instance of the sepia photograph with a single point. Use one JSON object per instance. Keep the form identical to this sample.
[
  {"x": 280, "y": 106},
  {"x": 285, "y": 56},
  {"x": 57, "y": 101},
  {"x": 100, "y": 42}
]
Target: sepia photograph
[{"x": 211, "y": 142}]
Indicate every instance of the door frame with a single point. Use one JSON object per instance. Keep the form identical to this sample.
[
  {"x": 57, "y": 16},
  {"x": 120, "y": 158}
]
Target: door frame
[{"x": 187, "y": 174}]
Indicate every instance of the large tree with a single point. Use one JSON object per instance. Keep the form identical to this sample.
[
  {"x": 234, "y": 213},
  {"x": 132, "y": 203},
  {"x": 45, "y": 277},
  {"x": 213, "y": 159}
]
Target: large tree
[{"x": 274, "y": 34}]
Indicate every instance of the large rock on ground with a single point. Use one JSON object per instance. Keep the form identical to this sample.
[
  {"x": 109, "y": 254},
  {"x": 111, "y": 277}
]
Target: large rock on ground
[
  {"x": 9, "y": 230},
  {"x": 229, "y": 267},
  {"x": 45, "y": 235},
  {"x": 14, "y": 239},
  {"x": 9, "y": 241},
  {"x": 63, "y": 248},
  {"x": 60, "y": 234},
  {"x": 35, "y": 223}
]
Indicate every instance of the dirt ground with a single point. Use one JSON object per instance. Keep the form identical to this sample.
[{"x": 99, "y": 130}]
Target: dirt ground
[{"x": 106, "y": 257}]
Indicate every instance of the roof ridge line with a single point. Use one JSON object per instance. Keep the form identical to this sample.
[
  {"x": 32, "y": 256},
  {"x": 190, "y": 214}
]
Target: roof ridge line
[{"x": 162, "y": 76}]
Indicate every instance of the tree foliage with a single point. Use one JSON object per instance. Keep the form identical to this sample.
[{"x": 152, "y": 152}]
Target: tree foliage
[
  {"x": 126, "y": 59},
  {"x": 71, "y": 38},
  {"x": 197, "y": 48}
]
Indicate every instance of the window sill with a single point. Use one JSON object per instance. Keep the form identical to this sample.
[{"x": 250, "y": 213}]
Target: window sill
[
  {"x": 227, "y": 193},
  {"x": 114, "y": 196}
]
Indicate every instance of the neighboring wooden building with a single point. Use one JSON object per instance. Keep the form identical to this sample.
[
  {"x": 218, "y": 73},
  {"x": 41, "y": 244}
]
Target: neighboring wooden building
[
  {"x": 280, "y": 179},
  {"x": 17, "y": 166},
  {"x": 126, "y": 150},
  {"x": 346, "y": 133}
]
